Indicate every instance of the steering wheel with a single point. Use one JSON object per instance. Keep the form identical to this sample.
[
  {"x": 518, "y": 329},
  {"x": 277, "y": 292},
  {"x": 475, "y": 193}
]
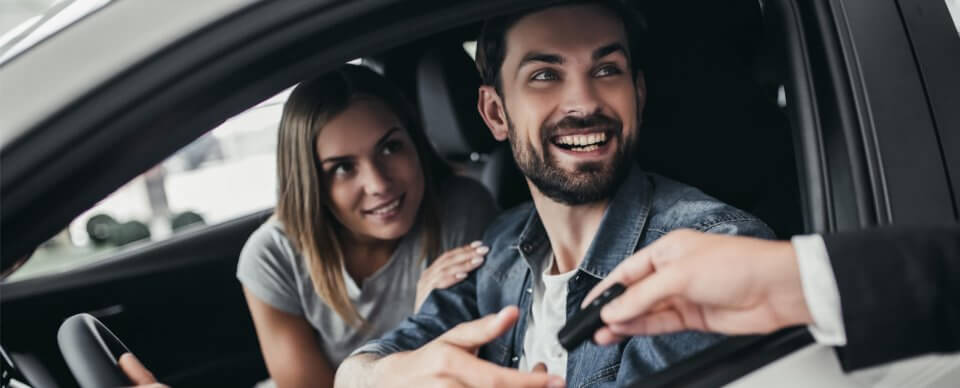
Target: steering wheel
[{"x": 91, "y": 351}]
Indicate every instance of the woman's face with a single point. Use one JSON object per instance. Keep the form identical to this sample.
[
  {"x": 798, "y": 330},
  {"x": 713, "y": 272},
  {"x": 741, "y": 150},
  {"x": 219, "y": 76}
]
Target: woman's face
[{"x": 371, "y": 169}]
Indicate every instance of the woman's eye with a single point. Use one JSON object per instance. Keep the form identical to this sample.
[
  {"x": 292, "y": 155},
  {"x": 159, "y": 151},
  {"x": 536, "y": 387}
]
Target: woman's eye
[
  {"x": 607, "y": 71},
  {"x": 341, "y": 169},
  {"x": 545, "y": 75},
  {"x": 392, "y": 147}
]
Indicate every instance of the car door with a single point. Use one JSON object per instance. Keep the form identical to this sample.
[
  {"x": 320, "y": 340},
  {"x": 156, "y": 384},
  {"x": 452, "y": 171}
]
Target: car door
[
  {"x": 156, "y": 262},
  {"x": 877, "y": 148}
]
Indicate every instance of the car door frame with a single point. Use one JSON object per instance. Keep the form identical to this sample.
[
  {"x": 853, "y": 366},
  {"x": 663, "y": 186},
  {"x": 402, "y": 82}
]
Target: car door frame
[{"x": 870, "y": 153}]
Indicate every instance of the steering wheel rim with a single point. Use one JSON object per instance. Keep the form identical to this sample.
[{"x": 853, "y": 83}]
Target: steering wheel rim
[{"x": 91, "y": 351}]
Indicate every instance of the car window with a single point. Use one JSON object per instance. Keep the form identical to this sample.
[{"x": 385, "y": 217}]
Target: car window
[
  {"x": 470, "y": 47},
  {"x": 36, "y": 20},
  {"x": 227, "y": 173},
  {"x": 954, "y": 7}
]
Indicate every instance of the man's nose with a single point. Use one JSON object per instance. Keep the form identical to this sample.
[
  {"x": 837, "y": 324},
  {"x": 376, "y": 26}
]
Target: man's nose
[
  {"x": 580, "y": 97},
  {"x": 377, "y": 180}
]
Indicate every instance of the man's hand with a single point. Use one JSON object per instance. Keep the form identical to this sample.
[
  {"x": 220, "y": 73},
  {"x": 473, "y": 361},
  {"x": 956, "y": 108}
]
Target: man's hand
[
  {"x": 689, "y": 280},
  {"x": 137, "y": 373},
  {"x": 450, "y": 360}
]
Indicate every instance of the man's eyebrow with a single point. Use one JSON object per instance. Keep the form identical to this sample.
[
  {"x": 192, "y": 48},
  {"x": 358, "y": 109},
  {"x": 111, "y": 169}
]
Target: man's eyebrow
[
  {"x": 534, "y": 56},
  {"x": 383, "y": 139},
  {"x": 609, "y": 49}
]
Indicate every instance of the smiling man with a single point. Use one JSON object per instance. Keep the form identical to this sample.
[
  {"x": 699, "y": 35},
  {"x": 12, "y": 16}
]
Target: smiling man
[{"x": 563, "y": 85}]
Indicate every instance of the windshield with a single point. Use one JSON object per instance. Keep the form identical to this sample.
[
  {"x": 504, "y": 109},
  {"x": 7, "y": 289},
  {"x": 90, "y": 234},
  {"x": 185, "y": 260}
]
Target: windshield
[{"x": 27, "y": 22}]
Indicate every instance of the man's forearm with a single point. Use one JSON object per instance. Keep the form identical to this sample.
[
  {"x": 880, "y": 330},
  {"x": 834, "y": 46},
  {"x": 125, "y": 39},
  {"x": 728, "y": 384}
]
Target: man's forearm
[{"x": 357, "y": 371}]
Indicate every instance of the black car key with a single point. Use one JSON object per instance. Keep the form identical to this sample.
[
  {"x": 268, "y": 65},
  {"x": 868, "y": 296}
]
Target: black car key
[{"x": 585, "y": 322}]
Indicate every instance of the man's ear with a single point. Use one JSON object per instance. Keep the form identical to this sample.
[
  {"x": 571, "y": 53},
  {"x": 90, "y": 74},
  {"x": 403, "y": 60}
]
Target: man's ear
[
  {"x": 641, "y": 92},
  {"x": 491, "y": 109}
]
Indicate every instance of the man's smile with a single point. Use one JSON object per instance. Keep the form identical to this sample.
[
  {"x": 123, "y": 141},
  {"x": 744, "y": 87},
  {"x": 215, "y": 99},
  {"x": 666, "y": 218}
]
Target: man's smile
[{"x": 582, "y": 142}]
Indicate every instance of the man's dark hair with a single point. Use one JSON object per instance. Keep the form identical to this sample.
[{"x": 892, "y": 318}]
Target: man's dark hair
[{"x": 492, "y": 43}]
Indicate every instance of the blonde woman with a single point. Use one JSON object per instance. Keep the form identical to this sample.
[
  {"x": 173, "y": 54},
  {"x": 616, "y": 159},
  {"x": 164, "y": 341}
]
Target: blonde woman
[{"x": 368, "y": 220}]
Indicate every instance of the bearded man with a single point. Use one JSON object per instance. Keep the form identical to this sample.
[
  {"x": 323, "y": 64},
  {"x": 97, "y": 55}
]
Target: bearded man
[{"x": 563, "y": 84}]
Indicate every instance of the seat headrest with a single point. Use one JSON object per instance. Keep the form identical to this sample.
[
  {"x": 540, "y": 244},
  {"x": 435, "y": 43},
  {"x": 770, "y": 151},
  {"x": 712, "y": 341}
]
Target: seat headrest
[{"x": 447, "y": 83}]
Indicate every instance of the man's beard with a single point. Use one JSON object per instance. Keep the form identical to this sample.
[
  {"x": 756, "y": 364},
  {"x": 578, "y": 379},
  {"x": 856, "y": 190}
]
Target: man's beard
[{"x": 590, "y": 181}]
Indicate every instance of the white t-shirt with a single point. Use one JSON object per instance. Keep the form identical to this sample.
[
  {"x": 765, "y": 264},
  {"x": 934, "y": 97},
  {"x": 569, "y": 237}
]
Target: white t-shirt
[
  {"x": 548, "y": 313},
  {"x": 275, "y": 273}
]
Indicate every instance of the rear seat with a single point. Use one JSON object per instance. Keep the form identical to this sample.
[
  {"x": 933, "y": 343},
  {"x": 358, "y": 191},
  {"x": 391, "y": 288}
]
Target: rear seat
[{"x": 447, "y": 83}]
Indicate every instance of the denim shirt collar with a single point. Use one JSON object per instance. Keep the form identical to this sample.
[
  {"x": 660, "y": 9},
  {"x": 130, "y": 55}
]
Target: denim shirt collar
[{"x": 617, "y": 237}]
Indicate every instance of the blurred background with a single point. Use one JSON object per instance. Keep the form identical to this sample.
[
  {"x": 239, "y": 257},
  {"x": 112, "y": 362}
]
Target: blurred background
[{"x": 225, "y": 174}]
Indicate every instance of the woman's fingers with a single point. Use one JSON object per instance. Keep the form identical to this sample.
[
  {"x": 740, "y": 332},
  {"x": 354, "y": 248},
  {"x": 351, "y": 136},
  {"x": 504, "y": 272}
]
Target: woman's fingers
[
  {"x": 454, "y": 265},
  {"x": 135, "y": 371}
]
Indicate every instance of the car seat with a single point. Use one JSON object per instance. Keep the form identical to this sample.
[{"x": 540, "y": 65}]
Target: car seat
[{"x": 447, "y": 84}]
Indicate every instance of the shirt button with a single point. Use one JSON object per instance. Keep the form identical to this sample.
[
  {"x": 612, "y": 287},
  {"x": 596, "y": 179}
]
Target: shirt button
[
  {"x": 529, "y": 290},
  {"x": 526, "y": 247},
  {"x": 515, "y": 359}
]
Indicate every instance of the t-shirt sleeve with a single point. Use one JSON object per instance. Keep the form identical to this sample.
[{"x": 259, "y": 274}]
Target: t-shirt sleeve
[
  {"x": 469, "y": 209},
  {"x": 266, "y": 269}
]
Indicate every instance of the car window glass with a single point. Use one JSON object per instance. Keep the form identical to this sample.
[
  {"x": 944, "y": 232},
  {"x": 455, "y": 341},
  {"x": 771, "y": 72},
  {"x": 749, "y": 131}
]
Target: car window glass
[
  {"x": 58, "y": 15},
  {"x": 954, "y": 7},
  {"x": 470, "y": 47},
  {"x": 227, "y": 173}
]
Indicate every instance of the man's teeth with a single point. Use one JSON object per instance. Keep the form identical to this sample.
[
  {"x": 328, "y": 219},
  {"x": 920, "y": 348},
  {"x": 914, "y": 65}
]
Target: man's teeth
[
  {"x": 387, "y": 208},
  {"x": 582, "y": 140},
  {"x": 585, "y": 149}
]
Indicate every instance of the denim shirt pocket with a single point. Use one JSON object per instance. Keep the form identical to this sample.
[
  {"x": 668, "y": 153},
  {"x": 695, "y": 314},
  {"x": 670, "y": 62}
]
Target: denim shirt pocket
[
  {"x": 590, "y": 365},
  {"x": 605, "y": 376}
]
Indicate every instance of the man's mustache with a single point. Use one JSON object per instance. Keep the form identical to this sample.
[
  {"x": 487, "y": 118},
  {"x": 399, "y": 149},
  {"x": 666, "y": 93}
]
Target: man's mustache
[{"x": 596, "y": 120}]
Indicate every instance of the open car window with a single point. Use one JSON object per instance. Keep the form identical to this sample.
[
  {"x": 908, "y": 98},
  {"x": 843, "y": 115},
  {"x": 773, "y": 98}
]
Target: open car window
[{"x": 226, "y": 173}]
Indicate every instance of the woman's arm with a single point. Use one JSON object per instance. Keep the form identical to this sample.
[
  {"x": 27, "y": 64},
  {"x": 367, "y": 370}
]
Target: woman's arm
[{"x": 289, "y": 346}]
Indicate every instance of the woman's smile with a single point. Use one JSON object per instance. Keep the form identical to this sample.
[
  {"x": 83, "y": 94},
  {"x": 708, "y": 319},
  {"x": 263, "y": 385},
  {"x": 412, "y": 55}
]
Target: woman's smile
[{"x": 385, "y": 211}]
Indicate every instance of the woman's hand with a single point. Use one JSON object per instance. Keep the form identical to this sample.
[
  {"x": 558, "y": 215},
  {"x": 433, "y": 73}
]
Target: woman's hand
[
  {"x": 137, "y": 373},
  {"x": 449, "y": 269}
]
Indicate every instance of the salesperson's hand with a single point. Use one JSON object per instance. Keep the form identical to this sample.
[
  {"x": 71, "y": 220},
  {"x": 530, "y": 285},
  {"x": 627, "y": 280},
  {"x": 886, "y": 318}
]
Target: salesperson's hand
[{"x": 688, "y": 280}]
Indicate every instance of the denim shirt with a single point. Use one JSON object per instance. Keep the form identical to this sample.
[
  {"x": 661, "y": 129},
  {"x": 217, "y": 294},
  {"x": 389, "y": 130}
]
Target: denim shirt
[{"x": 645, "y": 207}]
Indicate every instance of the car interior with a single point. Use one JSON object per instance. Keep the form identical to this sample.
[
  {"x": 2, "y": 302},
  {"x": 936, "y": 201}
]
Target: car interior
[{"x": 716, "y": 119}]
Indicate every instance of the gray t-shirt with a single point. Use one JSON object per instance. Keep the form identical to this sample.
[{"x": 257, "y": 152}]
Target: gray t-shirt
[{"x": 272, "y": 270}]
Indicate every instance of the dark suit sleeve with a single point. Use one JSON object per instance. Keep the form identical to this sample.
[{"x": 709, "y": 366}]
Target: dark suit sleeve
[{"x": 899, "y": 292}]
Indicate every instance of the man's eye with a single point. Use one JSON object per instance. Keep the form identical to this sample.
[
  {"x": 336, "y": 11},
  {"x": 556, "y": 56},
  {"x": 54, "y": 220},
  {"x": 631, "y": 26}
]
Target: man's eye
[
  {"x": 545, "y": 75},
  {"x": 607, "y": 71}
]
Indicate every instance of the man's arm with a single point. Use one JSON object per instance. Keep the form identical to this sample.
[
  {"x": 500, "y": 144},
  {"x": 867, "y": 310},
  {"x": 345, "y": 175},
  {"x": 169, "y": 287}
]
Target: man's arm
[
  {"x": 899, "y": 292},
  {"x": 441, "y": 311},
  {"x": 893, "y": 282},
  {"x": 449, "y": 360},
  {"x": 356, "y": 371}
]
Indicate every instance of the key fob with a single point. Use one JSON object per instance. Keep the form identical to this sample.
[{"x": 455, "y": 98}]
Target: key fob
[{"x": 585, "y": 322}]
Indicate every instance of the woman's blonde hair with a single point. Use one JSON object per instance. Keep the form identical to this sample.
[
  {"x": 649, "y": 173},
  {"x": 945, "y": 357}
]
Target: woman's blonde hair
[{"x": 302, "y": 201}]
